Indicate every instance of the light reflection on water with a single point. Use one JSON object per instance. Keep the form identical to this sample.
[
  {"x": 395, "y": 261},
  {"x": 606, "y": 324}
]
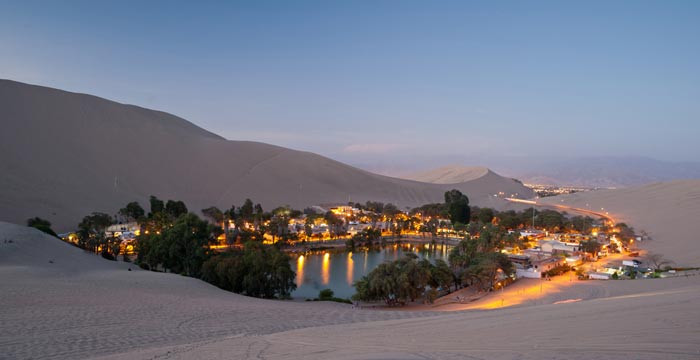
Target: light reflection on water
[
  {"x": 325, "y": 269},
  {"x": 300, "y": 269},
  {"x": 339, "y": 269}
]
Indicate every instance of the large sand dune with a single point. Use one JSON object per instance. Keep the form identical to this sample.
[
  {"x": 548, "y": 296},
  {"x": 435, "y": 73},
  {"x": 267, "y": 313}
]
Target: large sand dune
[
  {"x": 667, "y": 211},
  {"x": 59, "y": 303},
  {"x": 450, "y": 174},
  {"x": 64, "y": 155}
]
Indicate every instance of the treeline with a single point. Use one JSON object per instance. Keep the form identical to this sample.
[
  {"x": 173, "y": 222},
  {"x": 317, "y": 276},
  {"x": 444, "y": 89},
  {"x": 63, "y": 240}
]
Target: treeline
[{"x": 175, "y": 240}]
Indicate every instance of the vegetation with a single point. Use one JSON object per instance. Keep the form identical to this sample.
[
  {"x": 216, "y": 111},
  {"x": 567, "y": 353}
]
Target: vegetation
[
  {"x": 181, "y": 247},
  {"x": 474, "y": 263},
  {"x": 397, "y": 282},
  {"x": 328, "y": 295},
  {"x": 657, "y": 261},
  {"x": 91, "y": 235},
  {"x": 457, "y": 205},
  {"x": 42, "y": 225},
  {"x": 366, "y": 237},
  {"x": 591, "y": 247},
  {"x": 257, "y": 270}
]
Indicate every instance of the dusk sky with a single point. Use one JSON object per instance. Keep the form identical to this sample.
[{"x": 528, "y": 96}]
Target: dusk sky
[{"x": 386, "y": 81}]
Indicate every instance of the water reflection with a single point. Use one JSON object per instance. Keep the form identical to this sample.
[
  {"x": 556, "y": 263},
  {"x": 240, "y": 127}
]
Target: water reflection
[
  {"x": 349, "y": 276},
  {"x": 300, "y": 270},
  {"x": 326, "y": 269},
  {"x": 337, "y": 270}
]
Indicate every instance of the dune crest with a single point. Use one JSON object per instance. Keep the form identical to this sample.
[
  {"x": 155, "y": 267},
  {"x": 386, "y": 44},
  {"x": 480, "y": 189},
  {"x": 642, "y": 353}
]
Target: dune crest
[
  {"x": 66, "y": 155},
  {"x": 450, "y": 174}
]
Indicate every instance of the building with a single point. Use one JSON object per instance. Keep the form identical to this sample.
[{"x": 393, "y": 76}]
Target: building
[
  {"x": 535, "y": 268},
  {"x": 558, "y": 247},
  {"x": 123, "y": 230}
]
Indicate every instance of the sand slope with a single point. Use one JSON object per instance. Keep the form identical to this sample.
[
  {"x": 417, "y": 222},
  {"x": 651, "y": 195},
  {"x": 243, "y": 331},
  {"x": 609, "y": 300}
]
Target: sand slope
[
  {"x": 450, "y": 174},
  {"x": 65, "y": 155},
  {"x": 80, "y": 306},
  {"x": 668, "y": 211}
]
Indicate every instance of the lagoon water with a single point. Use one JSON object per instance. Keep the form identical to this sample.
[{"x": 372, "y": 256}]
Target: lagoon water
[{"x": 338, "y": 270}]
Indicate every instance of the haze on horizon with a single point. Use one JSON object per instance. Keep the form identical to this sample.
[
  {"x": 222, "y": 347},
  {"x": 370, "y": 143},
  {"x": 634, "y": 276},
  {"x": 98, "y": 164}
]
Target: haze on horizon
[{"x": 390, "y": 82}]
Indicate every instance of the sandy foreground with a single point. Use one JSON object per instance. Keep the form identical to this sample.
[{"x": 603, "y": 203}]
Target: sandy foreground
[{"x": 56, "y": 302}]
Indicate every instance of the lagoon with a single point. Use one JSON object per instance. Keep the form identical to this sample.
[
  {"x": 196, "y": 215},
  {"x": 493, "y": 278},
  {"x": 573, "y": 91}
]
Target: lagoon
[{"x": 339, "y": 269}]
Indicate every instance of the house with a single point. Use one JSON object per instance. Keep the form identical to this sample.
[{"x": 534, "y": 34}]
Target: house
[
  {"x": 535, "y": 268},
  {"x": 123, "y": 230},
  {"x": 558, "y": 247}
]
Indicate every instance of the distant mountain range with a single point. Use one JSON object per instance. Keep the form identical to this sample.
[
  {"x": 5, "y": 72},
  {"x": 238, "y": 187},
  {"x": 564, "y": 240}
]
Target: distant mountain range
[
  {"x": 64, "y": 155},
  {"x": 605, "y": 171}
]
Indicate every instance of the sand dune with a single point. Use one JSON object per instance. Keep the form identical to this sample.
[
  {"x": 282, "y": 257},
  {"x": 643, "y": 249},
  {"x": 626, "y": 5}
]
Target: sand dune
[
  {"x": 668, "y": 211},
  {"x": 58, "y": 302},
  {"x": 450, "y": 174},
  {"x": 65, "y": 155},
  {"x": 80, "y": 306}
]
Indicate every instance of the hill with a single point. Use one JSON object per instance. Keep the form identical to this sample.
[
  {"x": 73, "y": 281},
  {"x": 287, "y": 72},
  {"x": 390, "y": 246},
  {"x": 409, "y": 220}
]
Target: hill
[
  {"x": 450, "y": 174},
  {"x": 65, "y": 155}
]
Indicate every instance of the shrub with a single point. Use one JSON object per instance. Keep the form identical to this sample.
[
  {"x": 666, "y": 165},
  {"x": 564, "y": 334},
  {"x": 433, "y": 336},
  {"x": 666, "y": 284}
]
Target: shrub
[{"x": 325, "y": 294}]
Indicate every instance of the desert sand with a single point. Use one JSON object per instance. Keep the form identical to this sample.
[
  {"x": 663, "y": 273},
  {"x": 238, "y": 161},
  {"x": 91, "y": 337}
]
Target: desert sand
[
  {"x": 65, "y": 155},
  {"x": 450, "y": 174},
  {"x": 667, "y": 211},
  {"x": 58, "y": 302}
]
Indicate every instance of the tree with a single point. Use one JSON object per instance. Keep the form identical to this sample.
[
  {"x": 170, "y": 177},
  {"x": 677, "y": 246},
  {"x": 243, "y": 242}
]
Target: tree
[
  {"x": 214, "y": 214},
  {"x": 132, "y": 211},
  {"x": 175, "y": 208},
  {"x": 181, "y": 248},
  {"x": 397, "y": 282},
  {"x": 246, "y": 211},
  {"x": 657, "y": 261},
  {"x": 257, "y": 270},
  {"x": 485, "y": 215},
  {"x": 42, "y": 225},
  {"x": 157, "y": 205},
  {"x": 591, "y": 246},
  {"x": 441, "y": 276},
  {"x": 457, "y": 206},
  {"x": 91, "y": 232}
]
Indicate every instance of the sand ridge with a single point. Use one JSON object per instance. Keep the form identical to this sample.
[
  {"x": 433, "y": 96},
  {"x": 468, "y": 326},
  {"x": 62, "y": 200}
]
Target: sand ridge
[{"x": 65, "y": 155}]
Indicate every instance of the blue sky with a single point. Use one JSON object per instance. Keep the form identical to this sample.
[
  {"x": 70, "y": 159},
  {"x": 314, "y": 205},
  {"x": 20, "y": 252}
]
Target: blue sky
[{"x": 390, "y": 82}]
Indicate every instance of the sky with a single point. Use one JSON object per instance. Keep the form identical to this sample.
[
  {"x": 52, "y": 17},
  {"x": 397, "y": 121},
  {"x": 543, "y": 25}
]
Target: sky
[{"x": 385, "y": 83}]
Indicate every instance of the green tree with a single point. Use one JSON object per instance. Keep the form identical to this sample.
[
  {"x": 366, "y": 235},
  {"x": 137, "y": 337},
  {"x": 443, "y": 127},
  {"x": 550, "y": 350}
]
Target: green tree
[
  {"x": 91, "y": 234},
  {"x": 591, "y": 246},
  {"x": 41, "y": 224},
  {"x": 181, "y": 248},
  {"x": 157, "y": 205},
  {"x": 485, "y": 215},
  {"x": 457, "y": 206},
  {"x": 132, "y": 211},
  {"x": 247, "y": 210},
  {"x": 257, "y": 270},
  {"x": 214, "y": 214},
  {"x": 175, "y": 208}
]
